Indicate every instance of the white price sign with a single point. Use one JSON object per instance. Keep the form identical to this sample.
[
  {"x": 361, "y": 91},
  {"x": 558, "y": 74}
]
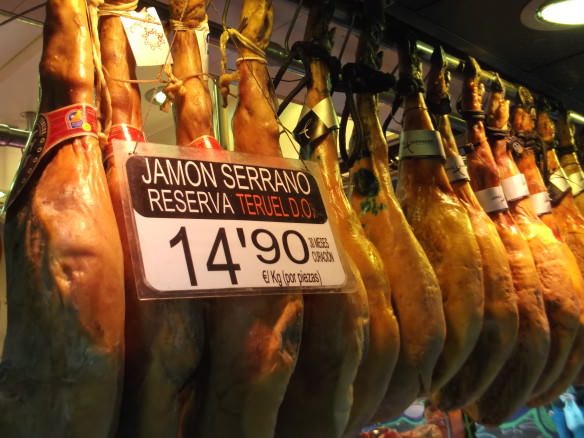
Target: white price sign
[{"x": 214, "y": 223}]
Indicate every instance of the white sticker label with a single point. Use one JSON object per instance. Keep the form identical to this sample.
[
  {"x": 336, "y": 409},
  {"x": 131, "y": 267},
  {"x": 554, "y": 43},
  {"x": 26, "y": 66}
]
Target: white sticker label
[
  {"x": 147, "y": 39},
  {"x": 208, "y": 254},
  {"x": 576, "y": 181},
  {"x": 202, "y": 32},
  {"x": 515, "y": 187},
  {"x": 421, "y": 143},
  {"x": 456, "y": 169},
  {"x": 560, "y": 180},
  {"x": 541, "y": 203},
  {"x": 492, "y": 199}
]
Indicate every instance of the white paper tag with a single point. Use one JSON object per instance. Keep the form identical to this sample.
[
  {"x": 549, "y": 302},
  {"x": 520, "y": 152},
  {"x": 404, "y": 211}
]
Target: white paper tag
[
  {"x": 492, "y": 199},
  {"x": 202, "y": 33},
  {"x": 541, "y": 203},
  {"x": 147, "y": 39},
  {"x": 576, "y": 181},
  {"x": 456, "y": 169},
  {"x": 515, "y": 187},
  {"x": 421, "y": 143},
  {"x": 560, "y": 180}
]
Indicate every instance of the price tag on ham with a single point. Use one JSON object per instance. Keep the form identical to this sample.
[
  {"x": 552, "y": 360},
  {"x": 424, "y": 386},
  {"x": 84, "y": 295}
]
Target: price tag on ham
[
  {"x": 146, "y": 37},
  {"x": 213, "y": 223}
]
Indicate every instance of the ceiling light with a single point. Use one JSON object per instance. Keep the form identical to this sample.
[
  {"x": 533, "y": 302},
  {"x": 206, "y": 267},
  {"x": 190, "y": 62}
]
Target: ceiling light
[
  {"x": 155, "y": 96},
  {"x": 569, "y": 12},
  {"x": 160, "y": 97}
]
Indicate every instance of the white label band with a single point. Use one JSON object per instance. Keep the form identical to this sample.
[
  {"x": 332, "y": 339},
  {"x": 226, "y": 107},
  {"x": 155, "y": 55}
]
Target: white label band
[
  {"x": 421, "y": 143},
  {"x": 492, "y": 199},
  {"x": 541, "y": 203},
  {"x": 325, "y": 111},
  {"x": 576, "y": 181},
  {"x": 202, "y": 32},
  {"x": 560, "y": 180},
  {"x": 456, "y": 169},
  {"x": 515, "y": 187}
]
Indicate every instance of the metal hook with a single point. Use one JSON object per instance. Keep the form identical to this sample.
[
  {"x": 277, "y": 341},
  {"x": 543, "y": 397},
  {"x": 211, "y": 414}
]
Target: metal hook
[
  {"x": 346, "y": 40},
  {"x": 224, "y": 15},
  {"x": 292, "y": 24}
]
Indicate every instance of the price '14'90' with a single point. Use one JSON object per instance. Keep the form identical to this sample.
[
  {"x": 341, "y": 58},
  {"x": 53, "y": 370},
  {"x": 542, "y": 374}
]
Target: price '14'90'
[{"x": 262, "y": 239}]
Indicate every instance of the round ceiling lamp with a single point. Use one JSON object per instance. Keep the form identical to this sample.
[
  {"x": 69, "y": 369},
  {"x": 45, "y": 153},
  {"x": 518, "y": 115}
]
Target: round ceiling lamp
[
  {"x": 553, "y": 14},
  {"x": 567, "y": 12}
]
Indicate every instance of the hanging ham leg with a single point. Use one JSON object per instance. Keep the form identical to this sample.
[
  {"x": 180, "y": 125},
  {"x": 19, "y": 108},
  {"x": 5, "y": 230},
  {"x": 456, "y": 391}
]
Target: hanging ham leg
[
  {"x": 415, "y": 291},
  {"x": 163, "y": 338},
  {"x": 514, "y": 383},
  {"x": 525, "y": 157},
  {"x": 62, "y": 364},
  {"x": 322, "y": 384},
  {"x": 253, "y": 341},
  {"x": 569, "y": 160},
  {"x": 500, "y": 320},
  {"x": 440, "y": 223},
  {"x": 554, "y": 268},
  {"x": 571, "y": 227}
]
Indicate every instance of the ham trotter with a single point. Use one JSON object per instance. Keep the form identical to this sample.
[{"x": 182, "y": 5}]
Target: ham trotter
[
  {"x": 500, "y": 320},
  {"x": 514, "y": 383},
  {"x": 253, "y": 342},
  {"x": 332, "y": 343},
  {"x": 552, "y": 258},
  {"x": 416, "y": 293},
  {"x": 62, "y": 364},
  {"x": 561, "y": 214},
  {"x": 439, "y": 221},
  {"x": 566, "y": 151},
  {"x": 164, "y": 339}
]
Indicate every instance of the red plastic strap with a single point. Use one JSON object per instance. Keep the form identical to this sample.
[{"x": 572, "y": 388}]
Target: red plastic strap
[
  {"x": 68, "y": 122},
  {"x": 122, "y": 131},
  {"x": 206, "y": 142},
  {"x": 51, "y": 129},
  {"x": 127, "y": 132}
]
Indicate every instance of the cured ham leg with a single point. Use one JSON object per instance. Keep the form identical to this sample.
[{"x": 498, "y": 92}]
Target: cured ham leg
[
  {"x": 322, "y": 383},
  {"x": 62, "y": 364},
  {"x": 253, "y": 341},
  {"x": 525, "y": 157},
  {"x": 416, "y": 295},
  {"x": 164, "y": 339},
  {"x": 569, "y": 160},
  {"x": 554, "y": 268},
  {"x": 514, "y": 383},
  {"x": 500, "y": 320},
  {"x": 440, "y": 223}
]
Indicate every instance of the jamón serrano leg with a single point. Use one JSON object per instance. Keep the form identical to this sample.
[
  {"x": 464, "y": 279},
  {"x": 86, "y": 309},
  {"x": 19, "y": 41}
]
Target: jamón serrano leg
[
  {"x": 514, "y": 383},
  {"x": 415, "y": 290},
  {"x": 560, "y": 222},
  {"x": 163, "y": 338},
  {"x": 253, "y": 341},
  {"x": 434, "y": 212},
  {"x": 332, "y": 342},
  {"x": 569, "y": 160},
  {"x": 552, "y": 259},
  {"x": 500, "y": 320},
  {"x": 62, "y": 364}
]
